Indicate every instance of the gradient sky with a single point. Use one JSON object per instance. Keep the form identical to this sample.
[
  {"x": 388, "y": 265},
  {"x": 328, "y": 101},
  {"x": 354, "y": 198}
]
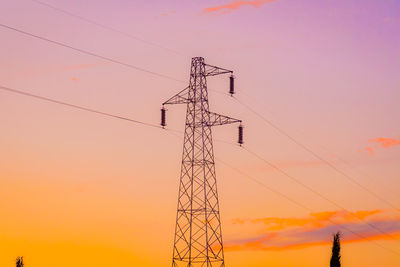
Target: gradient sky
[{"x": 79, "y": 189}]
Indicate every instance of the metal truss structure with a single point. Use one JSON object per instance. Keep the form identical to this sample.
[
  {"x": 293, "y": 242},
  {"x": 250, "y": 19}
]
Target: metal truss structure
[{"x": 198, "y": 235}]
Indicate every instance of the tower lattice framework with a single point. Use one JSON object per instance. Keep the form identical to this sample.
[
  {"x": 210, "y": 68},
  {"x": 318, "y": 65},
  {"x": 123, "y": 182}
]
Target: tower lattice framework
[{"x": 198, "y": 235}]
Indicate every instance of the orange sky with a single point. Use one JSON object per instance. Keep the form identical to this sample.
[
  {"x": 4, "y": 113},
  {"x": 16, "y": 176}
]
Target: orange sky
[{"x": 80, "y": 189}]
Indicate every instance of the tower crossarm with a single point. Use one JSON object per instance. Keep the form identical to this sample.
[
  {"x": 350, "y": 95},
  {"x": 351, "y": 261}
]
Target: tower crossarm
[
  {"x": 179, "y": 98},
  {"x": 213, "y": 70},
  {"x": 217, "y": 119}
]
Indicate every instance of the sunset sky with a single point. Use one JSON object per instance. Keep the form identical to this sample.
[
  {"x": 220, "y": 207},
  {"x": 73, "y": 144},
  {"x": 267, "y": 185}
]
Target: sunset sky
[{"x": 318, "y": 90}]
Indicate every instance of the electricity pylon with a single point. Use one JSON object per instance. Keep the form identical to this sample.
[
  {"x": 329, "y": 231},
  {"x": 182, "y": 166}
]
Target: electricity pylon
[{"x": 198, "y": 237}]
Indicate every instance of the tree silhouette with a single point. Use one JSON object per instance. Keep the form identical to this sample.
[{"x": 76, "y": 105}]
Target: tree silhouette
[
  {"x": 335, "y": 259},
  {"x": 20, "y": 262}
]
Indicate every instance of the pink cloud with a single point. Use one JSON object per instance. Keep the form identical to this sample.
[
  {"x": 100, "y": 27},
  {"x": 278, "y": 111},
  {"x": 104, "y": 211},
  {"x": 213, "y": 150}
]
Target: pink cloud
[
  {"x": 165, "y": 14},
  {"x": 370, "y": 150},
  {"x": 386, "y": 142},
  {"x": 391, "y": 19},
  {"x": 235, "y": 5},
  {"x": 383, "y": 142}
]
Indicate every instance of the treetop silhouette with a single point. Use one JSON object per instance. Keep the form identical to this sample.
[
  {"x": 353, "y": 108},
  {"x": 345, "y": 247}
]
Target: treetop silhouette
[
  {"x": 20, "y": 262},
  {"x": 335, "y": 259}
]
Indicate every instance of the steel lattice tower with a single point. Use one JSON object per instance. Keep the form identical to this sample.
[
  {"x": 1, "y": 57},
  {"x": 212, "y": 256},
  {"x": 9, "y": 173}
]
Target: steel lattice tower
[{"x": 198, "y": 237}]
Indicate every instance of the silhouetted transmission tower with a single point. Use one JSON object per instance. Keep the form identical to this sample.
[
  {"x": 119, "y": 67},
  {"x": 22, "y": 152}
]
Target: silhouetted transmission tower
[{"x": 198, "y": 238}]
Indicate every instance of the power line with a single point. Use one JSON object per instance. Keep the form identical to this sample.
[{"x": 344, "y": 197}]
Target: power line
[
  {"x": 104, "y": 26},
  {"x": 315, "y": 191},
  {"x": 47, "y": 99},
  {"x": 248, "y": 107},
  {"x": 168, "y": 77},
  {"x": 354, "y": 181},
  {"x": 157, "y": 126},
  {"x": 99, "y": 56},
  {"x": 76, "y": 106},
  {"x": 297, "y": 203},
  {"x": 153, "y": 125},
  {"x": 303, "y": 206},
  {"x": 350, "y": 166},
  {"x": 90, "y": 53},
  {"x": 161, "y": 75},
  {"x": 332, "y": 166}
]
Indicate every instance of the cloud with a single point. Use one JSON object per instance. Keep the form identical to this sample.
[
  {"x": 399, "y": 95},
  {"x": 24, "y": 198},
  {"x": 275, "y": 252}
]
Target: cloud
[
  {"x": 314, "y": 220},
  {"x": 235, "y": 5},
  {"x": 386, "y": 142},
  {"x": 165, "y": 14},
  {"x": 316, "y": 229},
  {"x": 370, "y": 150},
  {"x": 383, "y": 142},
  {"x": 391, "y": 19}
]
